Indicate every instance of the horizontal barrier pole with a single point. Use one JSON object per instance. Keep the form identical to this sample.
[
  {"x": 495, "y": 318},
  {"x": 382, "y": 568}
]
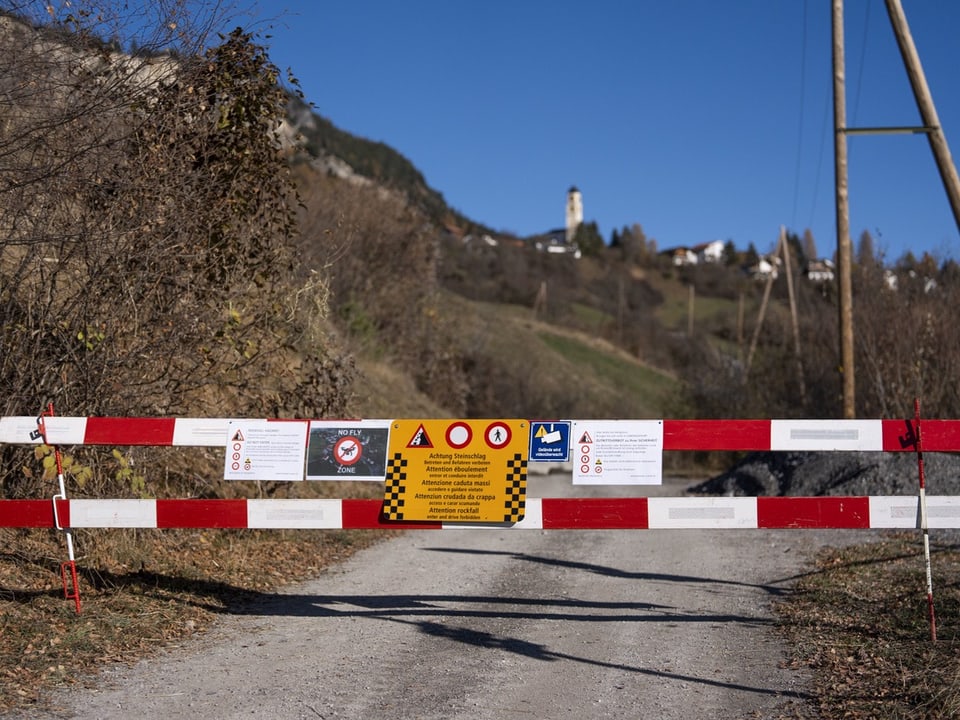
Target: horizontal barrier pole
[
  {"x": 706, "y": 435},
  {"x": 640, "y": 513}
]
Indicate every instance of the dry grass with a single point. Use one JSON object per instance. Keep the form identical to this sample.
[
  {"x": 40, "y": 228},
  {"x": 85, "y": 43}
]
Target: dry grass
[
  {"x": 860, "y": 622},
  {"x": 141, "y": 591}
]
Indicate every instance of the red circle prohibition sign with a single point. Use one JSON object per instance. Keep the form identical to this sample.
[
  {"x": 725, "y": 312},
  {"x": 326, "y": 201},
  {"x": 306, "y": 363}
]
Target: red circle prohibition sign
[
  {"x": 498, "y": 435},
  {"x": 347, "y": 450},
  {"x": 459, "y": 435}
]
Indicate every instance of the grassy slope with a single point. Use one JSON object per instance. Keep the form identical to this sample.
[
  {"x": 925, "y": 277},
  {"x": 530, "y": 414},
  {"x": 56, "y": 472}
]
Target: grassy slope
[{"x": 589, "y": 376}]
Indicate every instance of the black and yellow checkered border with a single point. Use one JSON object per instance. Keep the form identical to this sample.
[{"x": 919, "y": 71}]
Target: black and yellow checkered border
[
  {"x": 396, "y": 478},
  {"x": 516, "y": 489}
]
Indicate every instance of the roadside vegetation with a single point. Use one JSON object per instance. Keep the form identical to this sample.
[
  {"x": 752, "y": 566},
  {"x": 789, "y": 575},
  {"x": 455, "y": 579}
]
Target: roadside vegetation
[
  {"x": 168, "y": 247},
  {"x": 859, "y": 621}
]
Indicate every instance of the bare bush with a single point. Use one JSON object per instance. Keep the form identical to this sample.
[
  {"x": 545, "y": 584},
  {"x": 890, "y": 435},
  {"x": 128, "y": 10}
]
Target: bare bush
[{"x": 148, "y": 218}]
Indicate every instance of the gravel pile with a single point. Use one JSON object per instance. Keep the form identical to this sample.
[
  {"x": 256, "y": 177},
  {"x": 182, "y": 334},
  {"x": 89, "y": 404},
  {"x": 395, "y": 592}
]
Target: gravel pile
[{"x": 836, "y": 473}]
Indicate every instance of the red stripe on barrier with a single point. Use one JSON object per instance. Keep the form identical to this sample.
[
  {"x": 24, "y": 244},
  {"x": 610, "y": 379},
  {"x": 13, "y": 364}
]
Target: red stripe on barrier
[
  {"x": 716, "y": 434},
  {"x": 129, "y": 431},
  {"x": 898, "y": 435},
  {"x": 366, "y": 514},
  {"x": 201, "y": 513},
  {"x": 31, "y": 513},
  {"x": 940, "y": 435},
  {"x": 595, "y": 513},
  {"x": 813, "y": 512}
]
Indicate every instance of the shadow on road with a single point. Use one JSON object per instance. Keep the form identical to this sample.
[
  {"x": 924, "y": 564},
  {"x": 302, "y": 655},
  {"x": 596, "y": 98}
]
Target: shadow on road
[
  {"x": 770, "y": 589},
  {"x": 437, "y": 616}
]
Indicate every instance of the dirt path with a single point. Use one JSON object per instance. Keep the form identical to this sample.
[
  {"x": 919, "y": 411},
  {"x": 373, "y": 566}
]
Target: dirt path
[{"x": 496, "y": 624}]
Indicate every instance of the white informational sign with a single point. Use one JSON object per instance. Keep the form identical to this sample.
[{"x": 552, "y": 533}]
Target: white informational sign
[
  {"x": 348, "y": 450},
  {"x": 617, "y": 452},
  {"x": 265, "y": 450}
]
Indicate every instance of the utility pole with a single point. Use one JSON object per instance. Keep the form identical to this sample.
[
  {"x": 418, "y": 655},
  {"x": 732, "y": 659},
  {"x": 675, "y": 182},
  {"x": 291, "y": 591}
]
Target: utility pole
[
  {"x": 844, "y": 252},
  {"x": 928, "y": 113},
  {"x": 938, "y": 146}
]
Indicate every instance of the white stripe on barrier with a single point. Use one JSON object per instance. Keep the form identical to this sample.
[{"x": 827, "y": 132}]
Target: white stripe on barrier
[
  {"x": 894, "y": 512},
  {"x": 281, "y": 514},
  {"x": 720, "y": 512},
  {"x": 113, "y": 513},
  {"x": 943, "y": 511},
  {"x": 201, "y": 432},
  {"x": 826, "y": 435},
  {"x": 533, "y": 515},
  {"x": 17, "y": 430}
]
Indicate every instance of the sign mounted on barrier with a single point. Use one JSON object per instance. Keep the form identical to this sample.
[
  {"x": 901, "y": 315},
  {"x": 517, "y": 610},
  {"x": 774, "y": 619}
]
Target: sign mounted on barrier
[
  {"x": 457, "y": 471},
  {"x": 265, "y": 450},
  {"x": 550, "y": 441},
  {"x": 347, "y": 450},
  {"x": 617, "y": 452}
]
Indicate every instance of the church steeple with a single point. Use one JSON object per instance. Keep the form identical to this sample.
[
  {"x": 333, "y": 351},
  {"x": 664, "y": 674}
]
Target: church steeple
[{"x": 574, "y": 212}]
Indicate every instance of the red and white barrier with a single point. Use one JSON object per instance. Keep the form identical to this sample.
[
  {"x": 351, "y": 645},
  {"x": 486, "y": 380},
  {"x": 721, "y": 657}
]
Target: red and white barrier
[
  {"x": 539, "y": 513},
  {"x": 840, "y": 435},
  {"x": 640, "y": 513}
]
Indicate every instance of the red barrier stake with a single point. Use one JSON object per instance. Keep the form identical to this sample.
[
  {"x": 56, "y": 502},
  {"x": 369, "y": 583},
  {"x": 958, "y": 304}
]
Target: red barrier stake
[
  {"x": 923, "y": 521},
  {"x": 68, "y": 570}
]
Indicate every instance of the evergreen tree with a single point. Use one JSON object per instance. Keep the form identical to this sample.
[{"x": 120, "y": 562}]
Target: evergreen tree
[
  {"x": 865, "y": 252},
  {"x": 809, "y": 245},
  {"x": 588, "y": 238},
  {"x": 730, "y": 255}
]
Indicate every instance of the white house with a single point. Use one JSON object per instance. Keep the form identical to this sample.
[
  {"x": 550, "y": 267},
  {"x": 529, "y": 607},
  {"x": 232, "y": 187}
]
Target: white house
[
  {"x": 711, "y": 252},
  {"x": 820, "y": 271},
  {"x": 765, "y": 268},
  {"x": 684, "y": 256}
]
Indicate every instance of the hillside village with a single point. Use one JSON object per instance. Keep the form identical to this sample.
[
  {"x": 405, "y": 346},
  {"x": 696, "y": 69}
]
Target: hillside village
[{"x": 561, "y": 241}]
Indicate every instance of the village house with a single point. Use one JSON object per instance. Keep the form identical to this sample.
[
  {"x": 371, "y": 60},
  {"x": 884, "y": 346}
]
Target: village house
[{"x": 820, "y": 271}]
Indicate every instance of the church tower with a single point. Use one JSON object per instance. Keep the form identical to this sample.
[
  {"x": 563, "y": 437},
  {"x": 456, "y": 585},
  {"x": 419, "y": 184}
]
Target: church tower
[{"x": 574, "y": 212}]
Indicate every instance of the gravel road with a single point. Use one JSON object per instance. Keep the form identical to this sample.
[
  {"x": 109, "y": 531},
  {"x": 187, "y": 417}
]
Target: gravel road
[{"x": 477, "y": 624}]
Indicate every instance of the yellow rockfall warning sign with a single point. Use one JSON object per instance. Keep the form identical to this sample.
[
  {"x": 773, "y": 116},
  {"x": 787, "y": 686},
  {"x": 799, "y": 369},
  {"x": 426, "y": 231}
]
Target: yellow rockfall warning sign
[{"x": 457, "y": 470}]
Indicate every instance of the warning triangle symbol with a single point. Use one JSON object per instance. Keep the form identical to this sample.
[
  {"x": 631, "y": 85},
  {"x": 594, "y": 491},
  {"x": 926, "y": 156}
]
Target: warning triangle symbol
[
  {"x": 541, "y": 431},
  {"x": 585, "y": 438},
  {"x": 420, "y": 439},
  {"x": 237, "y": 437}
]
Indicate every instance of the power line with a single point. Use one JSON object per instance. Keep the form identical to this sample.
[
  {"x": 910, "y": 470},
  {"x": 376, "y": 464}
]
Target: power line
[{"x": 800, "y": 114}]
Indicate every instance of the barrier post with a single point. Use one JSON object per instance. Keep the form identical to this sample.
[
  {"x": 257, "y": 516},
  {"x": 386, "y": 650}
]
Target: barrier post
[
  {"x": 923, "y": 519},
  {"x": 68, "y": 569}
]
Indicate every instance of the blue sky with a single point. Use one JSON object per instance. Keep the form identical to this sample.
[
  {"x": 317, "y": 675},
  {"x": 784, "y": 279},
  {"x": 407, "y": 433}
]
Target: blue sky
[{"x": 697, "y": 119}]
